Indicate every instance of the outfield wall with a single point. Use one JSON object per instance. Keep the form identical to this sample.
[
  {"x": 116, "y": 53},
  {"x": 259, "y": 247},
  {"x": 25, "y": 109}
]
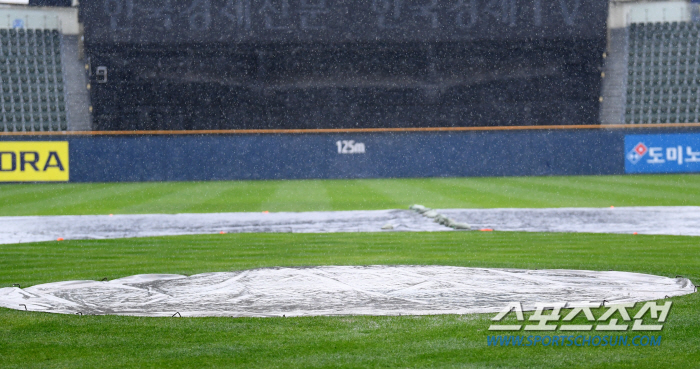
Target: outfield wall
[{"x": 192, "y": 157}]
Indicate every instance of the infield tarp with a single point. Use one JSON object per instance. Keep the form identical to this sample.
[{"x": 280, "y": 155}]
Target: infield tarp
[
  {"x": 342, "y": 290},
  {"x": 663, "y": 220}
]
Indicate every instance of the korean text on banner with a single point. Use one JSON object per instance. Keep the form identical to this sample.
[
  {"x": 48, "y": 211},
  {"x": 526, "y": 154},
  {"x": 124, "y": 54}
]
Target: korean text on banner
[{"x": 662, "y": 153}]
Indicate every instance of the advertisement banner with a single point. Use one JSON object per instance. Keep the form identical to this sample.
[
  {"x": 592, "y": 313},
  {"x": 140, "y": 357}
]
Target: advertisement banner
[
  {"x": 662, "y": 153},
  {"x": 34, "y": 161}
]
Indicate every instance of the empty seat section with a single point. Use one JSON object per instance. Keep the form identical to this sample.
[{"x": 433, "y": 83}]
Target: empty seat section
[
  {"x": 32, "y": 95},
  {"x": 663, "y": 78}
]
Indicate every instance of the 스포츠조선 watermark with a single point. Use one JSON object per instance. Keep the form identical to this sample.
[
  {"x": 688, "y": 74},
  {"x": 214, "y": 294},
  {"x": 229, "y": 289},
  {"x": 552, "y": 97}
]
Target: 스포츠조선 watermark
[{"x": 614, "y": 318}]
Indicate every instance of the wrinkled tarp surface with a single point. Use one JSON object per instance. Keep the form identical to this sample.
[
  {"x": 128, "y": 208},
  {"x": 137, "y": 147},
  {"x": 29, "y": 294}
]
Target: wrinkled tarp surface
[
  {"x": 49, "y": 228},
  {"x": 342, "y": 290},
  {"x": 668, "y": 220}
]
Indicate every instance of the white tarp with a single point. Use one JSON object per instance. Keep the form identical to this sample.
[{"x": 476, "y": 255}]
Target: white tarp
[
  {"x": 49, "y": 228},
  {"x": 342, "y": 290},
  {"x": 668, "y": 220}
]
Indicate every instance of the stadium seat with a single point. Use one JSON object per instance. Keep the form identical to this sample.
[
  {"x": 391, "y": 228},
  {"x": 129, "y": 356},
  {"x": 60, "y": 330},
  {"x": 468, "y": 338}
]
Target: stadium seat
[
  {"x": 32, "y": 75},
  {"x": 662, "y": 72}
]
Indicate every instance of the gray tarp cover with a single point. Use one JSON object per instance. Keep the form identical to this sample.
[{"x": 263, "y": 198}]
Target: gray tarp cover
[
  {"x": 375, "y": 290},
  {"x": 49, "y": 228},
  {"x": 669, "y": 220},
  {"x": 342, "y": 290}
]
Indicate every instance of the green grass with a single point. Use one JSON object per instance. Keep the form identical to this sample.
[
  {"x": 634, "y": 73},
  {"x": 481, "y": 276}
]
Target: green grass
[
  {"x": 198, "y": 197},
  {"x": 49, "y": 340},
  {"x": 45, "y": 340},
  {"x": 33, "y": 263}
]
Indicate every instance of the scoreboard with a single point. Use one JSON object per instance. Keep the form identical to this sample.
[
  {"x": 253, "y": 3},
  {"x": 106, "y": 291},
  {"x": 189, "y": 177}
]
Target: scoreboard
[
  {"x": 224, "y": 64},
  {"x": 339, "y": 21}
]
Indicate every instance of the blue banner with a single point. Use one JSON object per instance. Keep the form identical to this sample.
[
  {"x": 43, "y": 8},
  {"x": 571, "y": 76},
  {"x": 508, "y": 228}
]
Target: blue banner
[
  {"x": 340, "y": 155},
  {"x": 196, "y": 157},
  {"x": 665, "y": 153}
]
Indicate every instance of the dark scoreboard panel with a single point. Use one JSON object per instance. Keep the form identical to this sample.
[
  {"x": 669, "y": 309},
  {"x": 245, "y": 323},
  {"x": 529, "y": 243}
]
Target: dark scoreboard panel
[
  {"x": 229, "y": 64},
  {"x": 298, "y": 86},
  {"x": 333, "y": 21}
]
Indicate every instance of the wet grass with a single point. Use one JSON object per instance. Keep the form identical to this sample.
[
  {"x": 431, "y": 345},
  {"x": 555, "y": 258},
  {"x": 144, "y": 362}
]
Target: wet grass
[
  {"x": 234, "y": 196},
  {"x": 47, "y": 340},
  {"x": 30, "y": 339}
]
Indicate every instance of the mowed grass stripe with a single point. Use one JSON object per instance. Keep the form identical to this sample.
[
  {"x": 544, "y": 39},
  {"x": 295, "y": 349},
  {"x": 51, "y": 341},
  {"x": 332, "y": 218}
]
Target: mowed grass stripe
[
  {"x": 151, "y": 194},
  {"x": 575, "y": 192},
  {"x": 317, "y": 195},
  {"x": 480, "y": 194},
  {"x": 303, "y": 195},
  {"x": 408, "y": 191},
  {"x": 13, "y": 194},
  {"x": 93, "y": 199},
  {"x": 503, "y": 193},
  {"x": 358, "y": 194},
  {"x": 42, "y": 262},
  {"x": 241, "y": 196},
  {"x": 171, "y": 200},
  {"x": 672, "y": 191},
  {"x": 679, "y": 181},
  {"x": 590, "y": 193}
]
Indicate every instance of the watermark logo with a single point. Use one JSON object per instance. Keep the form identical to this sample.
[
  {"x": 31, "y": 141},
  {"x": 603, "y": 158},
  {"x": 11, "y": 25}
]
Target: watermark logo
[
  {"x": 614, "y": 319},
  {"x": 569, "y": 341},
  {"x": 548, "y": 317}
]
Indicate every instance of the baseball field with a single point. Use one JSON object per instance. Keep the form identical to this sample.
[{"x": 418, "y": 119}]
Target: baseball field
[{"x": 29, "y": 339}]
